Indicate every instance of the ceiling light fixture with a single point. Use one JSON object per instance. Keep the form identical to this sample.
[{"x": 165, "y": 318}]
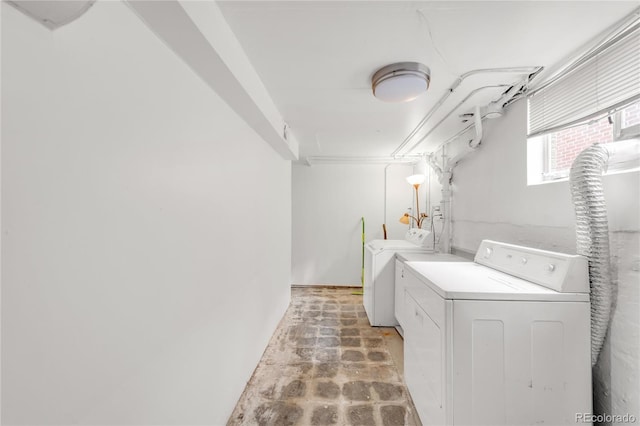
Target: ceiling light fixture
[
  {"x": 401, "y": 82},
  {"x": 52, "y": 14}
]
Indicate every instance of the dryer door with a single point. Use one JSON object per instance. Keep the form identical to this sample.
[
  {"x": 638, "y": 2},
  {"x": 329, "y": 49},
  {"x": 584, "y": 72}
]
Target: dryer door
[
  {"x": 520, "y": 362},
  {"x": 425, "y": 356}
]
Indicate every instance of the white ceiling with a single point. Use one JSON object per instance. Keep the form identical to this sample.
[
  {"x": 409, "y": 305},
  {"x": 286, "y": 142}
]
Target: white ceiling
[{"x": 316, "y": 60}]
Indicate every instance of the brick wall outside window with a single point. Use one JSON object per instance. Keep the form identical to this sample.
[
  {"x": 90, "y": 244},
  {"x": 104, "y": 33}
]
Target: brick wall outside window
[{"x": 564, "y": 146}]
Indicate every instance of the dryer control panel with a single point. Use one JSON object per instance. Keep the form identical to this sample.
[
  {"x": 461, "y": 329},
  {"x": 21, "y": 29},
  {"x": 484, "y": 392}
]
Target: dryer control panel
[
  {"x": 418, "y": 237},
  {"x": 561, "y": 272}
]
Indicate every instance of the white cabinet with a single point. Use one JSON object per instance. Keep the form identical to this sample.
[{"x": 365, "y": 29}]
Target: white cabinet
[
  {"x": 425, "y": 354},
  {"x": 520, "y": 362},
  {"x": 398, "y": 309},
  {"x": 400, "y": 281},
  {"x": 493, "y": 362}
]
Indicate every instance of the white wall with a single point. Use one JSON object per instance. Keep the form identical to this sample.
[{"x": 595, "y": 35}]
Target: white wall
[
  {"x": 146, "y": 230},
  {"x": 431, "y": 193},
  {"x": 491, "y": 200},
  {"x": 328, "y": 202}
]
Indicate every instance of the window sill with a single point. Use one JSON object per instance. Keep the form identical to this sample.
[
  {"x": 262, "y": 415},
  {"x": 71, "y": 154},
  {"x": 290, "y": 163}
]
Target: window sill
[{"x": 566, "y": 179}]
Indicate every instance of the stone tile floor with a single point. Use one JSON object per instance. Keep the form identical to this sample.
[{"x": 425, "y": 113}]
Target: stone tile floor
[{"x": 325, "y": 365}]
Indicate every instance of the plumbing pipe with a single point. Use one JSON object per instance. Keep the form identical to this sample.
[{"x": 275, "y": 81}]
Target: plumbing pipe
[
  {"x": 592, "y": 230},
  {"x": 475, "y": 142},
  {"x": 384, "y": 223},
  {"x": 433, "y": 163},
  {"x": 435, "y": 126},
  {"x": 454, "y": 137},
  {"x": 324, "y": 159},
  {"x": 451, "y": 162},
  {"x": 492, "y": 110},
  {"x": 445, "y": 171},
  {"x": 427, "y": 187},
  {"x": 532, "y": 71},
  {"x": 444, "y": 174},
  {"x": 446, "y": 212}
]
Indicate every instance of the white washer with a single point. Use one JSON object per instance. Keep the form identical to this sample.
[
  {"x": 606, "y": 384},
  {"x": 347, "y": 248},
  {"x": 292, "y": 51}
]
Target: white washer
[
  {"x": 504, "y": 340},
  {"x": 400, "y": 294},
  {"x": 379, "y": 274}
]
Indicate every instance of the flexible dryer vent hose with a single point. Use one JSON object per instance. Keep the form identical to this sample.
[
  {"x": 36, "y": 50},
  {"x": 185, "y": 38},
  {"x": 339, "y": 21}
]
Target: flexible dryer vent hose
[{"x": 592, "y": 234}]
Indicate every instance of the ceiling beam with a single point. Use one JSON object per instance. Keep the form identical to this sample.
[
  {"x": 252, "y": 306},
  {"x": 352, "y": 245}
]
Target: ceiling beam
[{"x": 199, "y": 34}]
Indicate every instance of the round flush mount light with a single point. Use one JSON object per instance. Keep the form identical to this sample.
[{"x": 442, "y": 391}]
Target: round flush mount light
[{"x": 401, "y": 82}]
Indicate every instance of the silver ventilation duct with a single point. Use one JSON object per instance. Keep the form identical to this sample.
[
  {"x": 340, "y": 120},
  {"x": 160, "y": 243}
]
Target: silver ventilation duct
[
  {"x": 592, "y": 228},
  {"x": 592, "y": 234}
]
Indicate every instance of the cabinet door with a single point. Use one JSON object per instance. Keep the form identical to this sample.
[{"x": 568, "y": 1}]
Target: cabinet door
[
  {"x": 521, "y": 362},
  {"x": 425, "y": 350}
]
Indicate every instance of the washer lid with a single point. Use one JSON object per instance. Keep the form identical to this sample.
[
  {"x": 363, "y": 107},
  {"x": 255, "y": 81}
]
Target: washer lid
[
  {"x": 471, "y": 281},
  {"x": 376, "y": 245},
  {"x": 429, "y": 257}
]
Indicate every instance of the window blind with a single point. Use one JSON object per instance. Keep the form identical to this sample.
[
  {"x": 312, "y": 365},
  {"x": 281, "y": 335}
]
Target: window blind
[{"x": 602, "y": 83}]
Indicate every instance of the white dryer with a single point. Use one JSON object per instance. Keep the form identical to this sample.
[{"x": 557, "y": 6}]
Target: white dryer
[
  {"x": 379, "y": 274},
  {"x": 504, "y": 340},
  {"x": 399, "y": 287}
]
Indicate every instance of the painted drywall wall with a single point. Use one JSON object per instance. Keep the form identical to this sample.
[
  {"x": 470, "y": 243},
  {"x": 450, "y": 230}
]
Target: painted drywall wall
[
  {"x": 328, "y": 202},
  {"x": 500, "y": 206},
  {"x": 146, "y": 230}
]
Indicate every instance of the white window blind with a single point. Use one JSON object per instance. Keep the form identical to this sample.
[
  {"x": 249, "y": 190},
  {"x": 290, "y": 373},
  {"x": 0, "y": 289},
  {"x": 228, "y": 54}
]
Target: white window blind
[{"x": 602, "y": 83}]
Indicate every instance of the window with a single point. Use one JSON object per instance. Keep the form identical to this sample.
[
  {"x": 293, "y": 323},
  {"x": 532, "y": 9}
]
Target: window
[
  {"x": 627, "y": 124},
  {"x": 557, "y": 150},
  {"x": 596, "y": 99}
]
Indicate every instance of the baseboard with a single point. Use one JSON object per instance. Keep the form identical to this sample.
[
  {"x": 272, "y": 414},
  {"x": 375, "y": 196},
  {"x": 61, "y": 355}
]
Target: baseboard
[{"x": 326, "y": 286}]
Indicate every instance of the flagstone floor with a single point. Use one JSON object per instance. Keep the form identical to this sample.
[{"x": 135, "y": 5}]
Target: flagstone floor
[{"x": 325, "y": 365}]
